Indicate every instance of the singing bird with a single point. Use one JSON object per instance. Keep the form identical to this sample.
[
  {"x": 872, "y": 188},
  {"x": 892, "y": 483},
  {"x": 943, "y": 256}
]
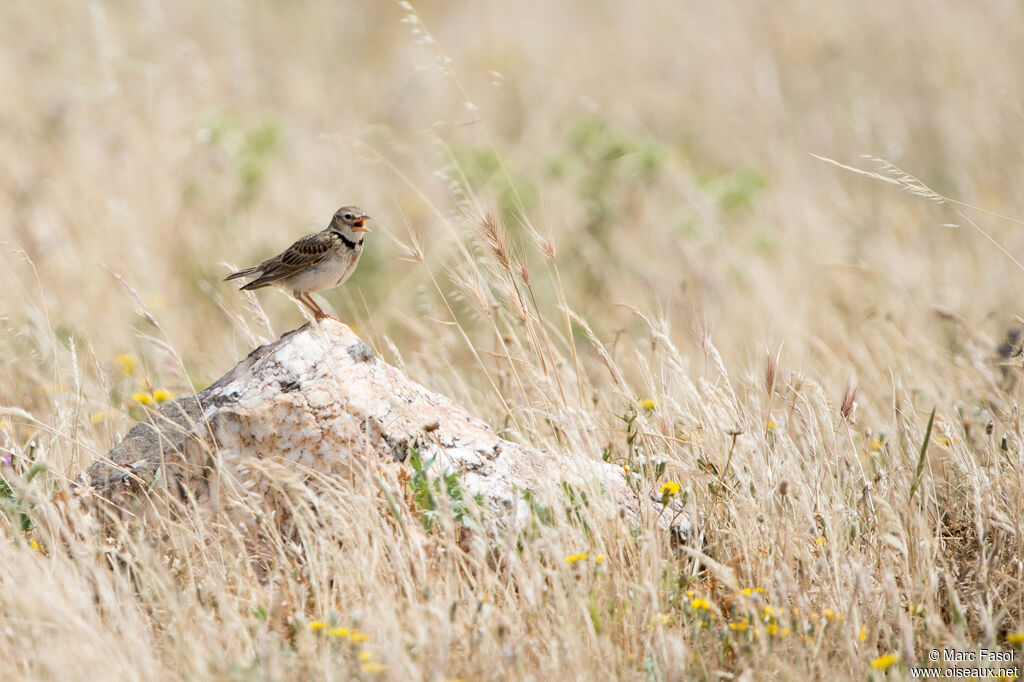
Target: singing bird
[{"x": 316, "y": 262}]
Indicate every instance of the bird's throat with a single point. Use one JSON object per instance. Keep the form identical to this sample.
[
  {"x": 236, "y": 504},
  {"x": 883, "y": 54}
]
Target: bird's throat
[{"x": 346, "y": 241}]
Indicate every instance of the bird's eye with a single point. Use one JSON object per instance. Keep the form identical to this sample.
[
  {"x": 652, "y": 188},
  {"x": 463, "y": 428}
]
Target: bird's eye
[{"x": 348, "y": 216}]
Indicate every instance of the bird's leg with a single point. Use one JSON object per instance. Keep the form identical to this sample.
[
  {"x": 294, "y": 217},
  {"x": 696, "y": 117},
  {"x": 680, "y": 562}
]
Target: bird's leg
[
  {"x": 318, "y": 312},
  {"x": 323, "y": 313}
]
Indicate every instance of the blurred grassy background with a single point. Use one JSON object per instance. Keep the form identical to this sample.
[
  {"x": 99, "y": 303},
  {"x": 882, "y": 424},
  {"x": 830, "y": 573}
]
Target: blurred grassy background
[{"x": 663, "y": 148}]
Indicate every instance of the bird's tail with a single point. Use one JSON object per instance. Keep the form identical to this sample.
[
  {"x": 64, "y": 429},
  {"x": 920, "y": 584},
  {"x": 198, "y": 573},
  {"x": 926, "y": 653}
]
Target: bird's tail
[{"x": 243, "y": 273}]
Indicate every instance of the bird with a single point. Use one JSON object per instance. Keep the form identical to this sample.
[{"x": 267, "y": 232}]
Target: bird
[{"x": 316, "y": 262}]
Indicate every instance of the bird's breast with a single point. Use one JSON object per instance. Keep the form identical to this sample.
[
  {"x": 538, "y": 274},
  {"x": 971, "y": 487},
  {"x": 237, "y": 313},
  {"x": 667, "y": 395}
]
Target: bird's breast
[{"x": 348, "y": 262}]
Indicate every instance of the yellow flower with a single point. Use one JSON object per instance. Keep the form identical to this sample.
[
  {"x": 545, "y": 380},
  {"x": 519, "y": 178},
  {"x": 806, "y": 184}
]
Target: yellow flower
[
  {"x": 768, "y": 613},
  {"x": 338, "y": 632},
  {"x": 669, "y": 488},
  {"x": 741, "y": 625},
  {"x": 820, "y": 541},
  {"x": 37, "y": 547},
  {"x": 365, "y": 655},
  {"x": 97, "y": 417},
  {"x": 625, "y": 468},
  {"x": 942, "y": 441},
  {"x": 771, "y": 425},
  {"x": 700, "y": 603},
  {"x": 689, "y": 594},
  {"x": 142, "y": 398},
  {"x": 647, "y": 404},
  {"x": 863, "y": 633},
  {"x": 1015, "y": 637},
  {"x": 359, "y": 637},
  {"x": 162, "y": 395},
  {"x": 830, "y": 615},
  {"x": 317, "y": 625},
  {"x": 883, "y": 662},
  {"x": 771, "y": 629},
  {"x": 785, "y": 633},
  {"x": 662, "y": 619},
  {"x": 876, "y": 445},
  {"x": 599, "y": 559},
  {"x": 125, "y": 363},
  {"x": 573, "y": 558},
  {"x": 373, "y": 667}
]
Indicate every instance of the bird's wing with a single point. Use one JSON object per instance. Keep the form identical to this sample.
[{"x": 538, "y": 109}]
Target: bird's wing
[{"x": 305, "y": 253}]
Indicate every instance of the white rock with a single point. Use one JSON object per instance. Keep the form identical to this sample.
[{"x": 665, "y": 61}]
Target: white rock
[{"x": 317, "y": 397}]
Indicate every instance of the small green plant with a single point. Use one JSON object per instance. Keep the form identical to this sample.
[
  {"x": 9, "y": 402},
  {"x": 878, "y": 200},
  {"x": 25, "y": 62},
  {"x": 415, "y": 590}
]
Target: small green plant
[
  {"x": 482, "y": 167},
  {"x": 631, "y": 428},
  {"x": 577, "y": 502},
  {"x": 6, "y": 460},
  {"x": 435, "y": 494},
  {"x": 606, "y": 164},
  {"x": 733, "y": 190},
  {"x": 12, "y": 504},
  {"x": 250, "y": 147},
  {"x": 541, "y": 515}
]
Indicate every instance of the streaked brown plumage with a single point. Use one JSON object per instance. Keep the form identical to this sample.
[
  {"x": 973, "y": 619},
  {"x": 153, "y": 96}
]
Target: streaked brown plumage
[{"x": 315, "y": 262}]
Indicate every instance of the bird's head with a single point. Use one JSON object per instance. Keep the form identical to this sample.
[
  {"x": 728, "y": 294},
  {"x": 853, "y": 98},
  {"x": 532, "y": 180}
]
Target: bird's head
[{"x": 350, "y": 221}]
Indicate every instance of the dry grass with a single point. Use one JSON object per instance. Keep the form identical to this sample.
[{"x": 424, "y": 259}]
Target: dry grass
[{"x": 600, "y": 228}]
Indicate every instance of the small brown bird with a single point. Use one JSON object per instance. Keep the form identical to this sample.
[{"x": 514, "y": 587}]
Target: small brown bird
[{"x": 316, "y": 262}]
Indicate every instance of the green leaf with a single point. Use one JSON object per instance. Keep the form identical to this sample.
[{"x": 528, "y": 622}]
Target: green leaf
[{"x": 919, "y": 471}]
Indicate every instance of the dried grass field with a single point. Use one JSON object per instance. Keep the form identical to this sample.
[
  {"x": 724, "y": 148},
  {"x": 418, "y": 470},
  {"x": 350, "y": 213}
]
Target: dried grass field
[{"x": 601, "y": 227}]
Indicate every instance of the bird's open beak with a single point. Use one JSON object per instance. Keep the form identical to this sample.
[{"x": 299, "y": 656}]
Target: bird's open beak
[{"x": 359, "y": 226}]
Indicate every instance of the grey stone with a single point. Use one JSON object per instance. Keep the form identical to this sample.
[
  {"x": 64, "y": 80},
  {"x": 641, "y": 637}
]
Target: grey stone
[{"x": 319, "y": 399}]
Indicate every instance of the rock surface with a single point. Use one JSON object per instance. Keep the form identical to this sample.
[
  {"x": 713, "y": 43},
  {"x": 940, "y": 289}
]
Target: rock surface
[{"x": 320, "y": 400}]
